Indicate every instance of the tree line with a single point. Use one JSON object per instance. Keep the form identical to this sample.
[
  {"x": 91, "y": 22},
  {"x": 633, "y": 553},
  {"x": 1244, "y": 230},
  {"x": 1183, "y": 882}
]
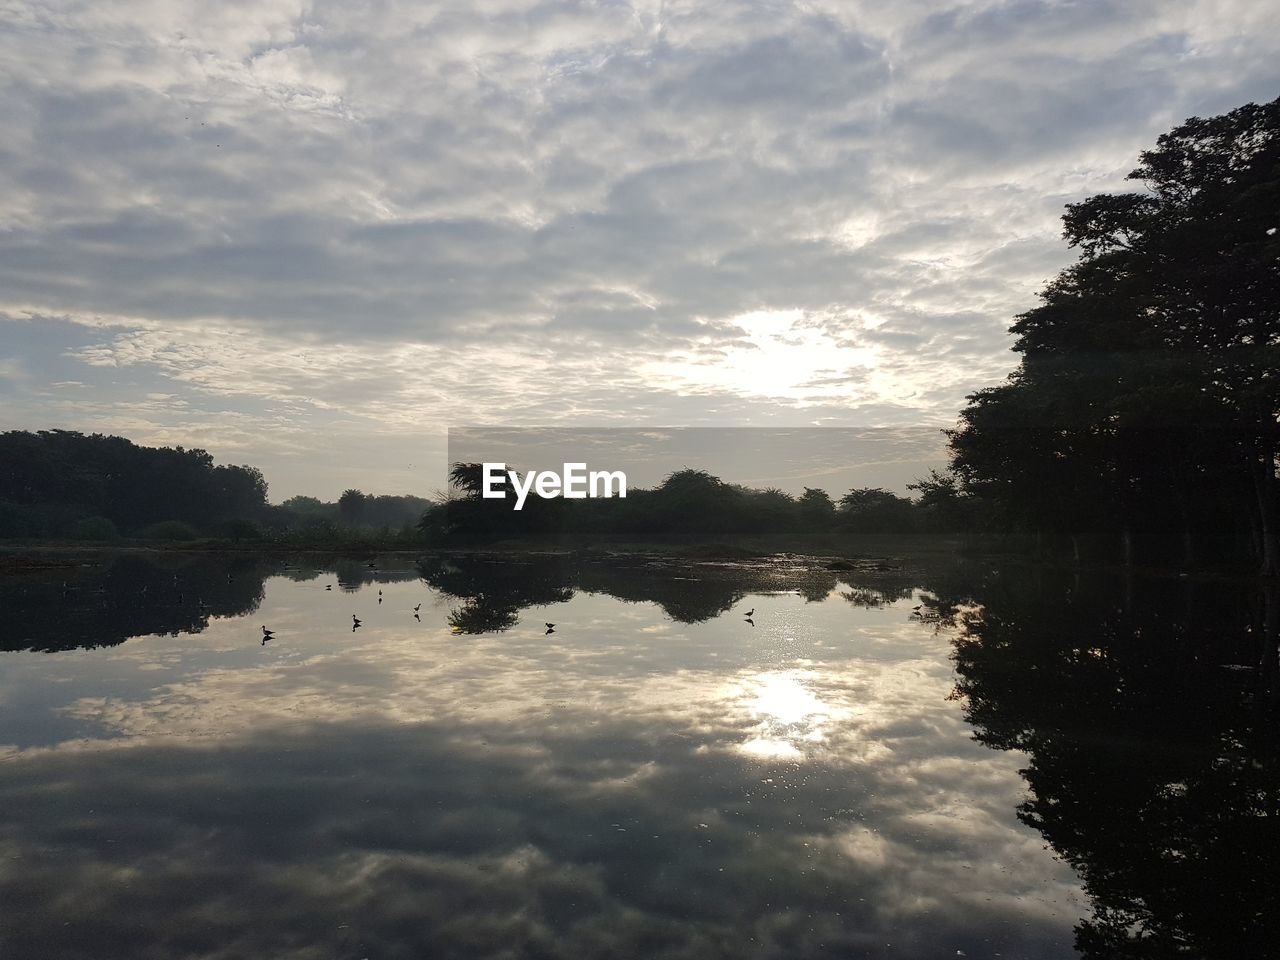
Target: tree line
[
  {"x": 696, "y": 503},
  {"x": 60, "y": 483},
  {"x": 57, "y": 484}
]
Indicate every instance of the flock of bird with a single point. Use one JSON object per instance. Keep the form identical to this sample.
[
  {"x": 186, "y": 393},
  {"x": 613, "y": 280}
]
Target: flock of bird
[{"x": 356, "y": 622}]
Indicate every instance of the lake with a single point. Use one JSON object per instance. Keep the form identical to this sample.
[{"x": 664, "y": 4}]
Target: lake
[{"x": 897, "y": 759}]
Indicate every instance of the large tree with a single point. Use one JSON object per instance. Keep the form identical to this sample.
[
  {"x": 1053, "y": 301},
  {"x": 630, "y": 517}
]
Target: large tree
[{"x": 1148, "y": 391}]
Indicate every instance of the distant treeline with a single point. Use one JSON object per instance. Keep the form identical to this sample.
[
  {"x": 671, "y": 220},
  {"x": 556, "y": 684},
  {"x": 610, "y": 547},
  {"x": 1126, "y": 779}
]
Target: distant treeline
[
  {"x": 696, "y": 503},
  {"x": 358, "y": 510},
  {"x": 57, "y": 484}
]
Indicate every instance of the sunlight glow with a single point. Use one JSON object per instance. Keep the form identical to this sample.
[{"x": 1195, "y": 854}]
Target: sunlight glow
[
  {"x": 784, "y": 354},
  {"x": 788, "y": 714}
]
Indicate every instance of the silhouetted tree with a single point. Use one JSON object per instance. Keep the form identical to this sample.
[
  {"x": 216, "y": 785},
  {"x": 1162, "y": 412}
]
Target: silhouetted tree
[
  {"x": 351, "y": 506},
  {"x": 1149, "y": 387},
  {"x": 817, "y": 510},
  {"x": 873, "y": 510},
  {"x": 52, "y": 480}
]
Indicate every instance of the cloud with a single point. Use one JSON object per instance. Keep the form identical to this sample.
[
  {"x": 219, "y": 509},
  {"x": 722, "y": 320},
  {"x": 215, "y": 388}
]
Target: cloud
[{"x": 569, "y": 193}]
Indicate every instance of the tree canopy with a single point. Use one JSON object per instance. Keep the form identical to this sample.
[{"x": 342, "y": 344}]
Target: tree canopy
[
  {"x": 1148, "y": 392},
  {"x": 52, "y": 481}
]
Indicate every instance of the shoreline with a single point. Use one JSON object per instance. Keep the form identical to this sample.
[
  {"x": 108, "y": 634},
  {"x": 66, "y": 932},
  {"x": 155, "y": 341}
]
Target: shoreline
[{"x": 870, "y": 554}]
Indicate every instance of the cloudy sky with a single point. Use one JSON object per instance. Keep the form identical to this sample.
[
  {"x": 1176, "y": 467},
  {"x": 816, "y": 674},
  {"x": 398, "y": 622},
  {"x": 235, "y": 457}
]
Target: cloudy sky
[{"x": 313, "y": 236}]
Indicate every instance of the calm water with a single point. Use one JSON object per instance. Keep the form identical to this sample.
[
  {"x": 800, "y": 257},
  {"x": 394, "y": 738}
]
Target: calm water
[{"x": 902, "y": 762}]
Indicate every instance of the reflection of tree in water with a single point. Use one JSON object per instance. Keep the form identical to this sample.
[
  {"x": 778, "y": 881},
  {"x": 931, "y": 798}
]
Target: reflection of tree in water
[
  {"x": 127, "y": 596},
  {"x": 494, "y": 593},
  {"x": 872, "y": 598},
  {"x": 685, "y": 595},
  {"x": 1150, "y": 719},
  {"x": 496, "y": 589},
  {"x": 476, "y": 616}
]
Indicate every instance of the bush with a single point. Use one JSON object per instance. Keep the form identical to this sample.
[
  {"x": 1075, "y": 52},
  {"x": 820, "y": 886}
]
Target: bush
[
  {"x": 95, "y": 528},
  {"x": 169, "y": 530},
  {"x": 238, "y": 530},
  {"x": 38, "y": 520}
]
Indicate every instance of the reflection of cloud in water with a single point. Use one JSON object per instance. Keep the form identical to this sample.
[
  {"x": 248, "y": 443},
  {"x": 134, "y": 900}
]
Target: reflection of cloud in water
[{"x": 636, "y": 790}]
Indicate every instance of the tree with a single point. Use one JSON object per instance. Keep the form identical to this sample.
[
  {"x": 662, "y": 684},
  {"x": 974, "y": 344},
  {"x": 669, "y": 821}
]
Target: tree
[
  {"x": 1150, "y": 371},
  {"x": 351, "y": 506},
  {"x": 817, "y": 510},
  {"x": 874, "y": 510},
  {"x": 51, "y": 479},
  {"x": 941, "y": 503}
]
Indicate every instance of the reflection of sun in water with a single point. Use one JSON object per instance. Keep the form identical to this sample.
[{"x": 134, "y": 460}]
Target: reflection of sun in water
[{"x": 788, "y": 714}]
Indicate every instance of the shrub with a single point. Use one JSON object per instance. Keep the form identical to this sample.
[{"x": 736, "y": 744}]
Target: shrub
[
  {"x": 238, "y": 530},
  {"x": 169, "y": 530},
  {"x": 95, "y": 528}
]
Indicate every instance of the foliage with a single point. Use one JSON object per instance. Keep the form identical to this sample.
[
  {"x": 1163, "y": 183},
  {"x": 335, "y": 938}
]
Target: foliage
[
  {"x": 351, "y": 506},
  {"x": 1148, "y": 394},
  {"x": 169, "y": 530},
  {"x": 63, "y": 472},
  {"x": 95, "y": 528},
  {"x": 689, "y": 502}
]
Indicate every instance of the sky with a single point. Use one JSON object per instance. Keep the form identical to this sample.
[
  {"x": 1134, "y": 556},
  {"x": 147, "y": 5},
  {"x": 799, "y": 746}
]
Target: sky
[{"x": 313, "y": 237}]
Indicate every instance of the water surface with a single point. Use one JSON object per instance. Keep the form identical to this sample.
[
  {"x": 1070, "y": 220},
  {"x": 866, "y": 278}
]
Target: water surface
[{"x": 884, "y": 761}]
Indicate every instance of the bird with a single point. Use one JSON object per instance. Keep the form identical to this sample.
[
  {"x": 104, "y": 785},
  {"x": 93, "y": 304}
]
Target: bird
[
  {"x": 356, "y": 620},
  {"x": 328, "y": 586},
  {"x": 417, "y": 608},
  {"x": 267, "y": 633},
  {"x": 551, "y": 626},
  {"x": 750, "y": 613}
]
